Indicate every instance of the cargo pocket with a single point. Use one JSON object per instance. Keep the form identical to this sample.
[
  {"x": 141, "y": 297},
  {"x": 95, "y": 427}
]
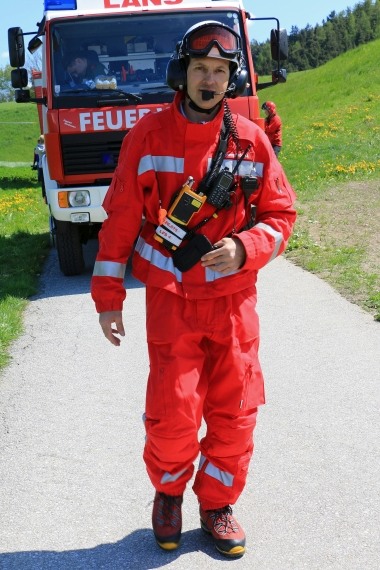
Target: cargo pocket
[
  {"x": 253, "y": 394},
  {"x": 116, "y": 188}
]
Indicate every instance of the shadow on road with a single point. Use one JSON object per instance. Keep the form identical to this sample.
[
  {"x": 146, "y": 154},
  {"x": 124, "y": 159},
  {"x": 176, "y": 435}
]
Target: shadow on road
[
  {"x": 136, "y": 551},
  {"x": 54, "y": 284}
]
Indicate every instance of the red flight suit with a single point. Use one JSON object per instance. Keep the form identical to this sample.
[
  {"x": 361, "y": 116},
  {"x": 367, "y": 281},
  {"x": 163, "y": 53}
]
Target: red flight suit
[{"x": 202, "y": 328}]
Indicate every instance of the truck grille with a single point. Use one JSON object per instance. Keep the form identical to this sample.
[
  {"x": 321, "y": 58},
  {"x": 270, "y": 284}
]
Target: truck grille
[{"x": 91, "y": 153}]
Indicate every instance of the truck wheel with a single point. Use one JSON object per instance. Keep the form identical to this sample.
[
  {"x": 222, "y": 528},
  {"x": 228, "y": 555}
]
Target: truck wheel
[{"x": 69, "y": 247}]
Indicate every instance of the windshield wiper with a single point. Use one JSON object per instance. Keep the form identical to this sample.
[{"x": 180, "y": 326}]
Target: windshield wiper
[
  {"x": 85, "y": 89},
  {"x": 155, "y": 89},
  {"x": 110, "y": 95}
]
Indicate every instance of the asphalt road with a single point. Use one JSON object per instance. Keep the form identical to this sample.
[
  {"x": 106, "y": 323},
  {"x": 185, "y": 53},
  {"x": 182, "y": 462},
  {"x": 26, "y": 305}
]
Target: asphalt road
[{"x": 74, "y": 492}]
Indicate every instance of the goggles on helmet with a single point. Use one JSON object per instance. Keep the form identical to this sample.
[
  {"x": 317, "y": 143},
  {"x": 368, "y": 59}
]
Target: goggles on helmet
[{"x": 200, "y": 42}]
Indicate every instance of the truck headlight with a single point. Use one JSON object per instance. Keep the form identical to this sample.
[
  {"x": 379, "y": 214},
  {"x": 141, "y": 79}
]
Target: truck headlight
[{"x": 79, "y": 198}]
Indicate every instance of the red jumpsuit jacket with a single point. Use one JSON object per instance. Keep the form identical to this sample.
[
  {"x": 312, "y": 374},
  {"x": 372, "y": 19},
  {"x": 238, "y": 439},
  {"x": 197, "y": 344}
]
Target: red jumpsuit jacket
[
  {"x": 273, "y": 126},
  {"x": 157, "y": 156}
]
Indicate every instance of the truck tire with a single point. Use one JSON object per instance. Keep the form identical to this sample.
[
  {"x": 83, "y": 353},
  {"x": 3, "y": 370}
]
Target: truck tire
[{"x": 69, "y": 248}]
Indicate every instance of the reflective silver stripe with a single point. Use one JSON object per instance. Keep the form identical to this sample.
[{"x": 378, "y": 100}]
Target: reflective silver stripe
[
  {"x": 109, "y": 269},
  {"x": 202, "y": 459},
  {"x": 161, "y": 164},
  {"x": 176, "y": 165},
  {"x": 212, "y": 275},
  {"x": 277, "y": 236},
  {"x": 246, "y": 168},
  {"x": 171, "y": 478},
  {"x": 156, "y": 258},
  {"x": 223, "y": 476}
]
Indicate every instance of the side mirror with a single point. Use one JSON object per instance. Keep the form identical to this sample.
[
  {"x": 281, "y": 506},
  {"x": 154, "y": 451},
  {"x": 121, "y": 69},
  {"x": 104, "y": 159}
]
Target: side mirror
[
  {"x": 34, "y": 44},
  {"x": 22, "y": 96},
  {"x": 279, "y": 44},
  {"x": 16, "y": 47},
  {"x": 19, "y": 78},
  {"x": 279, "y": 76}
]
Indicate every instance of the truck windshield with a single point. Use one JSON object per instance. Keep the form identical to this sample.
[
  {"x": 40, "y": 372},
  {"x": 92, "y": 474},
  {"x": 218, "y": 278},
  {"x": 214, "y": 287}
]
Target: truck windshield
[{"x": 122, "y": 57}]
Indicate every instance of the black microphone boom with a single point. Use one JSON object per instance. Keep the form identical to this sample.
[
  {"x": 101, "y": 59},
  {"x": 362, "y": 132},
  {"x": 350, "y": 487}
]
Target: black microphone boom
[{"x": 208, "y": 95}]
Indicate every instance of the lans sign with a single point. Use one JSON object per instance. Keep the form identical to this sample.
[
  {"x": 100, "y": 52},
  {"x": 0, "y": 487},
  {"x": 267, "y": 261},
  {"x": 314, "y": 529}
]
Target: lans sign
[{"x": 139, "y": 3}]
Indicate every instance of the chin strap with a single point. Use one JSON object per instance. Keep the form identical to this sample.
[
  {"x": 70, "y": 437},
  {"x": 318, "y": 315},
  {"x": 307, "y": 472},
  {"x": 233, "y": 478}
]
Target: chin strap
[{"x": 198, "y": 109}]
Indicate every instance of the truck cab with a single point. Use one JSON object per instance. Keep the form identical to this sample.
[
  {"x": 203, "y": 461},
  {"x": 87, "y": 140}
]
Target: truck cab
[{"x": 103, "y": 68}]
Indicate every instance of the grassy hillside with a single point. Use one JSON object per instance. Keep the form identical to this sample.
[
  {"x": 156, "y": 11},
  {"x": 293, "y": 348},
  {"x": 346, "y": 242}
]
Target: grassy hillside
[
  {"x": 331, "y": 119},
  {"x": 331, "y": 154}
]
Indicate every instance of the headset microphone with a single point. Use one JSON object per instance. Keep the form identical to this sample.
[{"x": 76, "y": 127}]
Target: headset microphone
[{"x": 208, "y": 95}]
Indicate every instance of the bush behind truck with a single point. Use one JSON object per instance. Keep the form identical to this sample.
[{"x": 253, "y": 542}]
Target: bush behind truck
[{"x": 84, "y": 121}]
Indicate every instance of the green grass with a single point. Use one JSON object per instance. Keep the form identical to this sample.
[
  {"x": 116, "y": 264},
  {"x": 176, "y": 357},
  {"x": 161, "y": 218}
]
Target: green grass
[
  {"x": 20, "y": 130},
  {"x": 24, "y": 243},
  {"x": 331, "y": 140},
  {"x": 331, "y": 119}
]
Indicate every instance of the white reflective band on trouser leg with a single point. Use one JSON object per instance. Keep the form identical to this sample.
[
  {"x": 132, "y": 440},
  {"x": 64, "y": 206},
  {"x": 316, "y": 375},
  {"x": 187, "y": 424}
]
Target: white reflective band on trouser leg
[
  {"x": 277, "y": 236},
  {"x": 109, "y": 269},
  {"x": 225, "y": 478},
  {"x": 171, "y": 478}
]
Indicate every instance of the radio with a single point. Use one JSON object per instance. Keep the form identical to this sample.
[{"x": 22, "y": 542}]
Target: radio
[
  {"x": 171, "y": 232},
  {"x": 186, "y": 204},
  {"x": 219, "y": 194}
]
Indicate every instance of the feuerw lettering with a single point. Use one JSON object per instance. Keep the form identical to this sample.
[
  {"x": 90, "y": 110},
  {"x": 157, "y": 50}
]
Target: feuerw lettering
[
  {"x": 114, "y": 120},
  {"x": 139, "y": 3}
]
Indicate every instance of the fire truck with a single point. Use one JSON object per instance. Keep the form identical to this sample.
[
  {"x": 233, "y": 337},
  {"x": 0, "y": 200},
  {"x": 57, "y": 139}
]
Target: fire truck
[{"x": 127, "y": 45}]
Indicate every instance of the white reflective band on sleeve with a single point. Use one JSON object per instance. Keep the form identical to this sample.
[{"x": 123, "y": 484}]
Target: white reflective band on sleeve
[
  {"x": 109, "y": 269},
  {"x": 223, "y": 476},
  {"x": 156, "y": 258},
  {"x": 168, "y": 236},
  {"x": 170, "y": 478},
  {"x": 172, "y": 227},
  {"x": 161, "y": 164},
  {"x": 277, "y": 236}
]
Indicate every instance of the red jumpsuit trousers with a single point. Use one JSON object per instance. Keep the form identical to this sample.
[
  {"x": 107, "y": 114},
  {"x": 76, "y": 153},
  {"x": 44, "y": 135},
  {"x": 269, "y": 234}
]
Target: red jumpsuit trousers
[{"x": 203, "y": 362}]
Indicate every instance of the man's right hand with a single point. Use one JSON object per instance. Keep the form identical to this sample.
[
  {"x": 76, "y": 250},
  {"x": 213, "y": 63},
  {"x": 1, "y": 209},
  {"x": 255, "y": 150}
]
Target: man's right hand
[{"x": 106, "y": 321}]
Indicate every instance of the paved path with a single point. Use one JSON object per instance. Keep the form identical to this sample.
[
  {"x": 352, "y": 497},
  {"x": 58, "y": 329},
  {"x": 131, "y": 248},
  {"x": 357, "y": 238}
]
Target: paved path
[
  {"x": 74, "y": 493},
  {"x": 14, "y": 164}
]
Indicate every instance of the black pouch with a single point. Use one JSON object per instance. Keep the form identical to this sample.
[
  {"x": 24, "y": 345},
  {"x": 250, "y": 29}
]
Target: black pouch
[{"x": 186, "y": 257}]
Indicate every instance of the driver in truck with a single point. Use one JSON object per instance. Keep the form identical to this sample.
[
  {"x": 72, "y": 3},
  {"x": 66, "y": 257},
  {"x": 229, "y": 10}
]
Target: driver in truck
[
  {"x": 83, "y": 66},
  {"x": 196, "y": 171}
]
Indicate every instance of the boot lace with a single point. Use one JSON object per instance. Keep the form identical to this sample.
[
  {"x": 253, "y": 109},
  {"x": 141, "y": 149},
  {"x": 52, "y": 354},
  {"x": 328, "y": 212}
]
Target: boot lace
[
  {"x": 223, "y": 521},
  {"x": 168, "y": 510}
]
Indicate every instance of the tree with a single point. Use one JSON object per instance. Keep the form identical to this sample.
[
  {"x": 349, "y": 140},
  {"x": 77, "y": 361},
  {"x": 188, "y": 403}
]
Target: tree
[
  {"x": 34, "y": 61},
  {"x": 6, "y": 89},
  {"x": 340, "y": 32},
  {"x": 261, "y": 55},
  {"x": 363, "y": 29}
]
